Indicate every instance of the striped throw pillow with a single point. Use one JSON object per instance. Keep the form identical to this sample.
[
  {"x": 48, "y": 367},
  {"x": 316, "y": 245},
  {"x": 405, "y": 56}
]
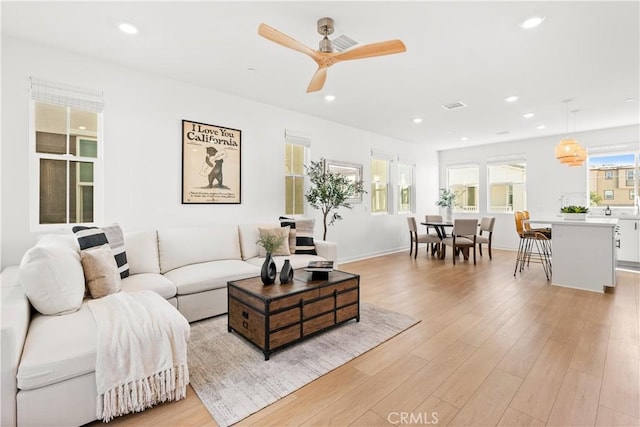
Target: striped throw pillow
[
  {"x": 302, "y": 231},
  {"x": 91, "y": 237}
]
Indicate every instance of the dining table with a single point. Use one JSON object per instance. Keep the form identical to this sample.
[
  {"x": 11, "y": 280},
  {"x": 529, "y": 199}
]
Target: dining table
[{"x": 440, "y": 227}]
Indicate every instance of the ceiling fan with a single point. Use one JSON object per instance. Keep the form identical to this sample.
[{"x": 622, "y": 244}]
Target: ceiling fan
[{"x": 325, "y": 57}]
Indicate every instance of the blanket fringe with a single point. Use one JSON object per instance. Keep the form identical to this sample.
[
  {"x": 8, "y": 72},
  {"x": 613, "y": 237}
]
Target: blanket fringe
[{"x": 136, "y": 396}]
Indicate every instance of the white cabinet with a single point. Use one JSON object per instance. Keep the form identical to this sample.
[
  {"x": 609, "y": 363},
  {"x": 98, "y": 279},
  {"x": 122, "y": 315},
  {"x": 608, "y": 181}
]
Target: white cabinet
[{"x": 629, "y": 251}]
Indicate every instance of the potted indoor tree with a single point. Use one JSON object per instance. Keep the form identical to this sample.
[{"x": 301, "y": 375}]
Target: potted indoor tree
[
  {"x": 329, "y": 191},
  {"x": 446, "y": 201}
]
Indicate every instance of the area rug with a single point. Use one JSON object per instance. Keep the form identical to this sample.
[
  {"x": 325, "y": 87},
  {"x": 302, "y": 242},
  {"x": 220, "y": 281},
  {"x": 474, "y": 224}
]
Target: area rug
[{"x": 232, "y": 379}]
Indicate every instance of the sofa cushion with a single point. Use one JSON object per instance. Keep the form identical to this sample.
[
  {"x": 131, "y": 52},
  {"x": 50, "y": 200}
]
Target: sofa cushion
[
  {"x": 142, "y": 252},
  {"x": 67, "y": 239},
  {"x": 52, "y": 279},
  {"x": 248, "y": 236},
  {"x": 149, "y": 281},
  {"x": 279, "y": 233},
  {"x": 179, "y": 247},
  {"x": 58, "y": 348},
  {"x": 304, "y": 234},
  {"x": 90, "y": 237},
  {"x": 210, "y": 275},
  {"x": 100, "y": 271}
]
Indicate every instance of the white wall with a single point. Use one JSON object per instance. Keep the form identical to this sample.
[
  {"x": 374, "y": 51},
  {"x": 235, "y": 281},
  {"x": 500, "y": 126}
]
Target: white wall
[
  {"x": 546, "y": 178},
  {"x": 142, "y": 137}
]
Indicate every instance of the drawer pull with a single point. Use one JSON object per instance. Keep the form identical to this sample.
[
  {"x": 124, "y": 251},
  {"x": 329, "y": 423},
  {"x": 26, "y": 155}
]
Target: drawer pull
[
  {"x": 245, "y": 314},
  {"x": 245, "y": 324}
]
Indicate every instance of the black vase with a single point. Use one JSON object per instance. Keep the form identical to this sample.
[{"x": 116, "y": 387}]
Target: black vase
[
  {"x": 286, "y": 274},
  {"x": 268, "y": 272}
]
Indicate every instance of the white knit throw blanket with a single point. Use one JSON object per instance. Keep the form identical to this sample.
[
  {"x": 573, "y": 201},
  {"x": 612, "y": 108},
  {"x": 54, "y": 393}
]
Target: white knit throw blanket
[{"x": 142, "y": 352}]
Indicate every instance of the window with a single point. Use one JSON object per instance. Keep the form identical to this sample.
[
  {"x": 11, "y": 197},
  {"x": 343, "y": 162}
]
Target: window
[
  {"x": 379, "y": 185},
  {"x": 295, "y": 155},
  {"x": 506, "y": 186},
  {"x": 66, "y": 155},
  {"x": 463, "y": 182},
  {"x": 612, "y": 178},
  {"x": 406, "y": 187}
]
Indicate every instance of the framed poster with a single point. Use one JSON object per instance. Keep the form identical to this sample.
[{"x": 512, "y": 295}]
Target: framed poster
[
  {"x": 210, "y": 164},
  {"x": 352, "y": 171}
]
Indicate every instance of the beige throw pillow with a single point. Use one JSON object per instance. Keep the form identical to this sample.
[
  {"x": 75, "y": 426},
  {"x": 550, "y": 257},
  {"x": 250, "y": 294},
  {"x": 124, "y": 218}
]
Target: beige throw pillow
[
  {"x": 276, "y": 231},
  {"x": 101, "y": 271}
]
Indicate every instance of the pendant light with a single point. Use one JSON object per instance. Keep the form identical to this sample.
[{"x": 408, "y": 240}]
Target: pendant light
[{"x": 568, "y": 151}]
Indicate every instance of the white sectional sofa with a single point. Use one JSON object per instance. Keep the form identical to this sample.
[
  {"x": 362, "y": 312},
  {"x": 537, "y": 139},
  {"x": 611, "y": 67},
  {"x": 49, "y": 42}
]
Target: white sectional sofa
[{"x": 48, "y": 362}]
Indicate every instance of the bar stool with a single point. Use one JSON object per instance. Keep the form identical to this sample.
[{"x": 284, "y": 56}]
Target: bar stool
[{"x": 534, "y": 247}]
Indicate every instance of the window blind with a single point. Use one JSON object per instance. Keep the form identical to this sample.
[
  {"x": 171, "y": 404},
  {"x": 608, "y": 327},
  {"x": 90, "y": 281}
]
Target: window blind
[{"x": 66, "y": 95}]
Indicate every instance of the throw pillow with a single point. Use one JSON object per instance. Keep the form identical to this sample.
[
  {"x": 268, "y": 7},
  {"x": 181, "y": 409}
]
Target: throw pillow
[
  {"x": 304, "y": 234},
  {"x": 291, "y": 223},
  {"x": 279, "y": 232},
  {"x": 90, "y": 237},
  {"x": 100, "y": 271},
  {"x": 52, "y": 279}
]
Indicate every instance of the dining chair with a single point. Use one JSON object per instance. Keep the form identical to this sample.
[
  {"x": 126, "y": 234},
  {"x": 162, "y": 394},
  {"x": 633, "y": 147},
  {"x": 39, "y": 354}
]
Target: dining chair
[
  {"x": 432, "y": 218},
  {"x": 420, "y": 238},
  {"x": 486, "y": 226},
  {"x": 463, "y": 236}
]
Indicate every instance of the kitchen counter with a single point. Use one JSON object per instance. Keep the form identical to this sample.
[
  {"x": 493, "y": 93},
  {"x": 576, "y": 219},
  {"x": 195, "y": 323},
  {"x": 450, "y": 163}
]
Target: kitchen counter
[{"x": 583, "y": 252}]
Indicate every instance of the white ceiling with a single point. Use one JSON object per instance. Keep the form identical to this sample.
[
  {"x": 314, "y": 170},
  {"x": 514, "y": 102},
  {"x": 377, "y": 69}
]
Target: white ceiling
[{"x": 474, "y": 52}]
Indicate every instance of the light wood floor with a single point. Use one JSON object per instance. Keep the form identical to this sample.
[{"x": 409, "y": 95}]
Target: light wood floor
[{"x": 491, "y": 349}]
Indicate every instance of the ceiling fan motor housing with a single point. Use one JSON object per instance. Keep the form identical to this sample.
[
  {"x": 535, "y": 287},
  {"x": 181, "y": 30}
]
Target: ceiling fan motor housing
[{"x": 325, "y": 27}]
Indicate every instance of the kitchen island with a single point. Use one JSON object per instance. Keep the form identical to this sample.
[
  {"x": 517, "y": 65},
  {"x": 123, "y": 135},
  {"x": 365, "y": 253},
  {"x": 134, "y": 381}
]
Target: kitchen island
[{"x": 583, "y": 252}]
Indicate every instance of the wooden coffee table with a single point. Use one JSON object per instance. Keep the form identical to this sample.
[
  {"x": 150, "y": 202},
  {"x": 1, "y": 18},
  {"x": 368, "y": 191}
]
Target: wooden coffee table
[{"x": 274, "y": 316}]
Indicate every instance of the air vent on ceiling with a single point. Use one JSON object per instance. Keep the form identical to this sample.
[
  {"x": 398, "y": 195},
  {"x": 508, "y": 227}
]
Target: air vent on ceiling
[
  {"x": 454, "y": 105},
  {"x": 342, "y": 43}
]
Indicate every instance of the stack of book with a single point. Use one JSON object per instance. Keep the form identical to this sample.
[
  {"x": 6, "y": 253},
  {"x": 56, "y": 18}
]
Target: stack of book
[
  {"x": 320, "y": 266},
  {"x": 320, "y": 269}
]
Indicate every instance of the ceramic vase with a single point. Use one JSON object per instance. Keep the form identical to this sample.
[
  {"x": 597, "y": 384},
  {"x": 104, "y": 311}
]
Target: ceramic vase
[
  {"x": 268, "y": 271},
  {"x": 448, "y": 216},
  {"x": 286, "y": 274}
]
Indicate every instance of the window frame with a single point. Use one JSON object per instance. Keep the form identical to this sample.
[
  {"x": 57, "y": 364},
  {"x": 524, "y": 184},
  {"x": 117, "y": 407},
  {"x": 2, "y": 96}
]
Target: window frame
[
  {"x": 388, "y": 184},
  {"x": 615, "y": 201},
  {"x": 457, "y": 207},
  {"x": 300, "y": 139},
  {"x": 35, "y": 171},
  {"x": 510, "y": 184},
  {"x": 411, "y": 186}
]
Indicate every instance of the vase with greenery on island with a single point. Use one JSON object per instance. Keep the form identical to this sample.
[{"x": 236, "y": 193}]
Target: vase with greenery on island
[
  {"x": 446, "y": 201},
  {"x": 270, "y": 242},
  {"x": 574, "y": 212}
]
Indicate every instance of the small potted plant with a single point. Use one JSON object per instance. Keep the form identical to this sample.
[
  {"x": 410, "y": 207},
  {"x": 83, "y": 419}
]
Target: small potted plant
[
  {"x": 574, "y": 212},
  {"x": 270, "y": 242},
  {"x": 446, "y": 201}
]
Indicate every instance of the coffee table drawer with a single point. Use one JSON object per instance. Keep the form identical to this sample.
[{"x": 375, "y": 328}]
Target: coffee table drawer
[
  {"x": 247, "y": 322},
  {"x": 350, "y": 312},
  {"x": 318, "y": 307},
  {"x": 339, "y": 287},
  {"x": 293, "y": 300},
  {"x": 277, "y": 321},
  {"x": 318, "y": 324},
  {"x": 284, "y": 336},
  {"x": 347, "y": 298}
]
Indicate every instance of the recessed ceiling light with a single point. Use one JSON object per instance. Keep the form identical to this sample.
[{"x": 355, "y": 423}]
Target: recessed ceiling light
[
  {"x": 127, "y": 28},
  {"x": 541, "y": 127},
  {"x": 528, "y": 115},
  {"x": 464, "y": 138},
  {"x": 329, "y": 98},
  {"x": 512, "y": 98},
  {"x": 532, "y": 22},
  {"x": 417, "y": 120}
]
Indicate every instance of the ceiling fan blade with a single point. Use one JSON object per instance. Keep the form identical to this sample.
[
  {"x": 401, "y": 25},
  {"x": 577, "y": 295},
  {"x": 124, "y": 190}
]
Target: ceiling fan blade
[
  {"x": 317, "y": 82},
  {"x": 284, "y": 40},
  {"x": 371, "y": 50}
]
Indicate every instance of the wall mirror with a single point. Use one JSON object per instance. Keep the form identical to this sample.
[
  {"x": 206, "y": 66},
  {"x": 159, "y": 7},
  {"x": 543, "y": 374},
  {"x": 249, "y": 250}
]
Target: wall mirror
[{"x": 352, "y": 171}]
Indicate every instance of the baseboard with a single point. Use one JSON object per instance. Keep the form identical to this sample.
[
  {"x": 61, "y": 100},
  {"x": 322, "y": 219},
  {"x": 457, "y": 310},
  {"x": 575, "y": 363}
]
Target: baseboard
[{"x": 372, "y": 255}]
